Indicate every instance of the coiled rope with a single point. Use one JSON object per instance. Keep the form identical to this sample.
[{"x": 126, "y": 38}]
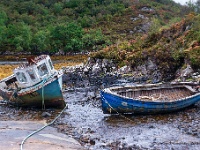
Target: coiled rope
[{"x": 22, "y": 143}]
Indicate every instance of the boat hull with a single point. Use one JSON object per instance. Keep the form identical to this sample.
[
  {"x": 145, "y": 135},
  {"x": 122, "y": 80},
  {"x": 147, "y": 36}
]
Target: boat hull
[
  {"x": 45, "y": 94},
  {"x": 114, "y": 104}
]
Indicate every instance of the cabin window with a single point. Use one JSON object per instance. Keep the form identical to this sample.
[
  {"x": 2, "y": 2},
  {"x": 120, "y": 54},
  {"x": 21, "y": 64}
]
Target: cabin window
[
  {"x": 42, "y": 69},
  {"x": 32, "y": 74},
  {"x": 21, "y": 77},
  {"x": 50, "y": 64}
]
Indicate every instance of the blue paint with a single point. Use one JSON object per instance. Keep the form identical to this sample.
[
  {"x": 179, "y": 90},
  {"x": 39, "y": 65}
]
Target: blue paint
[
  {"x": 112, "y": 103},
  {"x": 52, "y": 95},
  {"x": 34, "y": 84}
]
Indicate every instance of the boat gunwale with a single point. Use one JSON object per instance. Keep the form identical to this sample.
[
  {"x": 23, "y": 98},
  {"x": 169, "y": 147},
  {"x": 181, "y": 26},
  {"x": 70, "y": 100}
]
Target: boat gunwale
[
  {"x": 143, "y": 87},
  {"x": 35, "y": 87}
]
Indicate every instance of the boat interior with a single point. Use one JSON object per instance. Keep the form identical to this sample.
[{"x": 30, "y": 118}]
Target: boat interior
[{"x": 155, "y": 94}]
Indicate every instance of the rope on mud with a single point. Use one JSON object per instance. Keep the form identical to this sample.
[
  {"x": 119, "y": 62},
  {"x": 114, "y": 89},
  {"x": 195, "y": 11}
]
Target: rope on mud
[
  {"x": 115, "y": 110},
  {"x": 22, "y": 143}
]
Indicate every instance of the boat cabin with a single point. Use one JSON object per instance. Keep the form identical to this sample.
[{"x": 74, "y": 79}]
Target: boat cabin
[{"x": 36, "y": 70}]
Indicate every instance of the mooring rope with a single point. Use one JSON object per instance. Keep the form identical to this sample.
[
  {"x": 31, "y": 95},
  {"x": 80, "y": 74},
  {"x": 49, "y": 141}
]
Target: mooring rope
[
  {"x": 22, "y": 143},
  {"x": 43, "y": 107},
  {"x": 43, "y": 104},
  {"x": 43, "y": 82},
  {"x": 115, "y": 110}
]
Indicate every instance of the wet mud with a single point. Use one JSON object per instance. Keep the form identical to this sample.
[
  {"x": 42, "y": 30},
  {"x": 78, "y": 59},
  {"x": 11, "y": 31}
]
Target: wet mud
[
  {"x": 8, "y": 113},
  {"x": 85, "y": 121}
]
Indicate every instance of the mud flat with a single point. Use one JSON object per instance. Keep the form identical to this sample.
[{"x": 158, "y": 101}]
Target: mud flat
[{"x": 85, "y": 121}]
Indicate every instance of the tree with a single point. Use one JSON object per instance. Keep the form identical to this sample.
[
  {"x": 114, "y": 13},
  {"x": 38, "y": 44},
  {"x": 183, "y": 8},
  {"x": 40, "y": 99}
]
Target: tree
[
  {"x": 3, "y": 35},
  {"x": 72, "y": 3},
  {"x": 155, "y": 26},
  {"x": 93, "y": 38},
  {"x": 66, "y": 37},
  {"x": 57, "y": 8},
  {"x": 198, "y": 6},
  {"x": 3, "y": 17},
  {"x": 19, "y": 36},
  {"x": 191, "y": 5},
  {"x": 74, "y": 35},
  {"x": 40, "y": 42}
]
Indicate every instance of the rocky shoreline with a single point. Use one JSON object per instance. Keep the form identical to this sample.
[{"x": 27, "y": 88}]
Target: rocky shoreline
[
  {"x": 85, "y": 121},
  {"x": 103, "y": 72},
  {"x": 82, "y": 85}
]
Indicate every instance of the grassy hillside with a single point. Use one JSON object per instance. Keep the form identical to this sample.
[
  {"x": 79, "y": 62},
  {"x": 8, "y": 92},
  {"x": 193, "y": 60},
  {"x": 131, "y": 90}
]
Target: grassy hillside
[
  {"x": 169, "y": 48},
  {"x": 127, "y": 31},
  {"x": 139, "y": 16},
  {"x": 38, "y": 26}
]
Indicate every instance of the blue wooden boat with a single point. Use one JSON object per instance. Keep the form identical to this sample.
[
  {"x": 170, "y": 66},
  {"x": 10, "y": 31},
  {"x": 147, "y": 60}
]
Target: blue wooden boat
[
  {"x": 148, "y": 99},
  {"x": 34, "y": 84}
]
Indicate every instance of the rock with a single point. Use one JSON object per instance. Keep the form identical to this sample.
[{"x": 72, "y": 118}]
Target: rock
[
  {"x": 147, "y": 9},
  {"x": 92, "y": 142},
  {"x": 141, "y": 16},
  {"x": 103, "y": 72},
  {"x": 46, "y": 114},
  {"x": 124, "y": 70},
  {"x": 151, "y": 127},
  {"x": 85, "y": 139},
  {"x": 151, "y": 65},
  {"x": 187, "y": 71}
]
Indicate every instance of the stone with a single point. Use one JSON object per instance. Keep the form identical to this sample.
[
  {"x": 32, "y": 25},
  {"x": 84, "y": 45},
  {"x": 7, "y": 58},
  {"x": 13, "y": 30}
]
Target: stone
[{"x": 46, "y": 114}]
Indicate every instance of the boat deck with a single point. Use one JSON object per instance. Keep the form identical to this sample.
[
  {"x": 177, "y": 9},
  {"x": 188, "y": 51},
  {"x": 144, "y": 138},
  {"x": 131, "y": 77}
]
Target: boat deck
[{"x": 163, "y": 94}]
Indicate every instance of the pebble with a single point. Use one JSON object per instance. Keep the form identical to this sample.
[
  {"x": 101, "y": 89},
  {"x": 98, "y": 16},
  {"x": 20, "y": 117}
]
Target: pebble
[{"x": 46, "y": 114}]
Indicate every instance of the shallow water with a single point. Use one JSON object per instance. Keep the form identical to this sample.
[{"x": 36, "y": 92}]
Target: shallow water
[{"x": 11, "y": 62}]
